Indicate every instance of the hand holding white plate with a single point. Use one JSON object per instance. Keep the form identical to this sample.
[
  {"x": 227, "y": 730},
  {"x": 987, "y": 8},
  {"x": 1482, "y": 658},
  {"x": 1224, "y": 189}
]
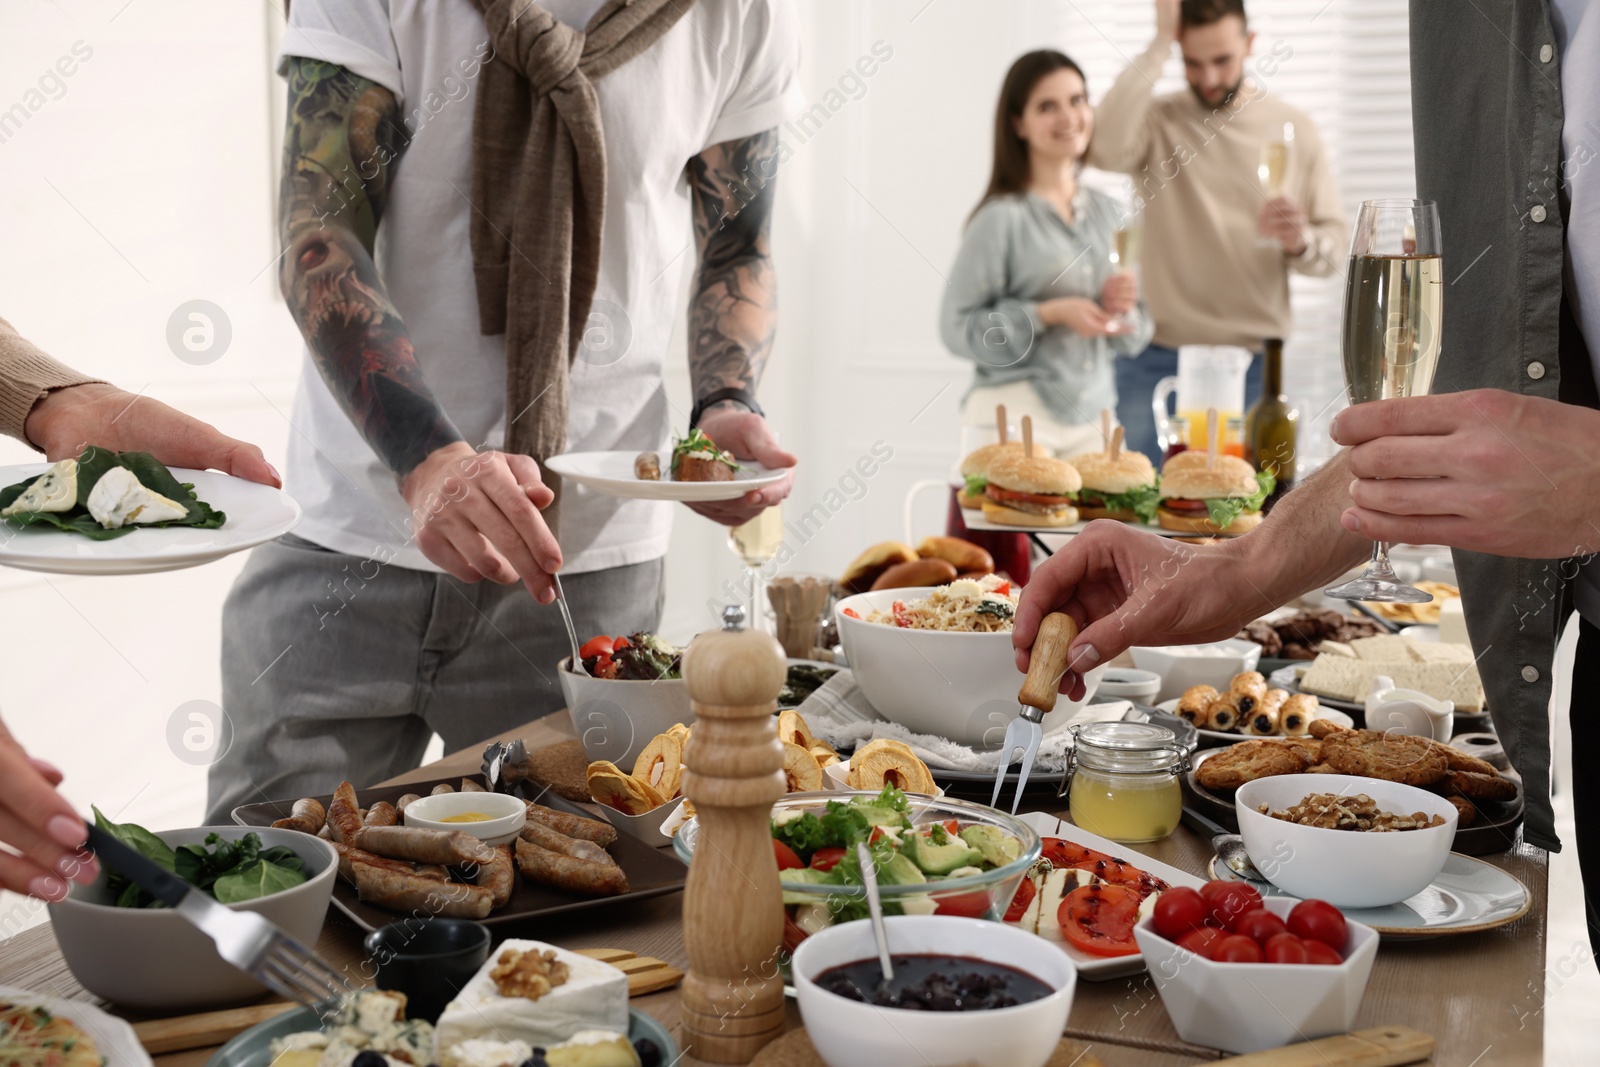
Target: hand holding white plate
[{"x": 612, "y": 473}]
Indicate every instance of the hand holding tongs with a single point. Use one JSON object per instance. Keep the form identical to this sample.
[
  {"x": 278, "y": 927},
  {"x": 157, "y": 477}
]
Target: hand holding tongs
[{"x": 1047, "y": 662}]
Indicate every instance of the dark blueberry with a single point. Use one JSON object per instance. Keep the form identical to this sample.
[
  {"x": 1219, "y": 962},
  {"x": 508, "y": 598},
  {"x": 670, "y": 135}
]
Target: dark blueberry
[
  {"x": 369, "y": 1058},
  {"x": 649, "y": 1052}
]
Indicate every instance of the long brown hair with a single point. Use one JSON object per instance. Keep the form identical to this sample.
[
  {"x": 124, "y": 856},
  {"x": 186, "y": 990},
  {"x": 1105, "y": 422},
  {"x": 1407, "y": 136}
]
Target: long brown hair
[{"x": 1010, "y": 172}]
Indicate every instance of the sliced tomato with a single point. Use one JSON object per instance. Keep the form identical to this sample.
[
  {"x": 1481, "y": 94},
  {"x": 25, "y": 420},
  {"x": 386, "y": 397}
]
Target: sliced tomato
[
  {"x": 1124, "y": 874},
  {"x": 792, "y": 934},
  {"x": 852, "y": 613},
  {"x": 1063, "y": 853},
  {"x": 1019, "y": 903},
  {"x": 618, "y": 645},
  {"x": 876, "y": 835},
  {"x": 595, "y": 646},
  {"x": 1186, "y": 507},
  {"x": 973, "y": 905},
  {"x": 952, "y": 826},
  {"x": 826, "y": 859},
  {"x": 1099, "y": 919},
  {"x": 788, "y": 859},
  {"x": 1012, "y": 496}
]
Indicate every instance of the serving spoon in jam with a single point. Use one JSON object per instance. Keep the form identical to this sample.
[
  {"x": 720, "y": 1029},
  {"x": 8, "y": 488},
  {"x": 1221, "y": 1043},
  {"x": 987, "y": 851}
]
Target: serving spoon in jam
[{"x": 869, "y": 878}]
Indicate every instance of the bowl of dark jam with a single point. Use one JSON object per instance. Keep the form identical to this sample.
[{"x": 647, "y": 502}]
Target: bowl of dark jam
[{"x": 985, "y": 993}]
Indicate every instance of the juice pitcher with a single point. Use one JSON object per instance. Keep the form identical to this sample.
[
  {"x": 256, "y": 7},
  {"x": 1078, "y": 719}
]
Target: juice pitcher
[{"x": 1209, "y": 376}]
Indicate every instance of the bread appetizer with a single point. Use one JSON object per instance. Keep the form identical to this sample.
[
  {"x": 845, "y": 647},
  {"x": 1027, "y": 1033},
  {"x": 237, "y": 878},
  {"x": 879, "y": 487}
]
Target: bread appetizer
[
  {"x": 647, "y": 467},
  {"x": 696, "y": 458}
]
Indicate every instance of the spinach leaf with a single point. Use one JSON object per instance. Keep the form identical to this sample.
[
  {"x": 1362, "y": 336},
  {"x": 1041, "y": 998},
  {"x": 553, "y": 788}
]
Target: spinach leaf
[
  {"x": 260, "y": 879},
  {"x": 139, "y": 839}
]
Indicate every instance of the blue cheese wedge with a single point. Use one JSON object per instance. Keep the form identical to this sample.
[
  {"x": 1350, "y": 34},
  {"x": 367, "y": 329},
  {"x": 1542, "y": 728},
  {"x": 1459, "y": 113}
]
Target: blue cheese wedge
[
  {"x": 119, "y": 499},
  {"x": 368, "y": 1021},
  {"x": 589, "y": 996},
  {"x": 54, "y": 490}
]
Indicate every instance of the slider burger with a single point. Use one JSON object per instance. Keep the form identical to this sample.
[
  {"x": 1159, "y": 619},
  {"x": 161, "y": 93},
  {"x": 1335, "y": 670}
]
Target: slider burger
[
  {"x": 1031, "y": 491},
  {"x": 975, "y": 469},
  {"x": 1225, "y": 498},
  {"x": 1123, "y": 488}
]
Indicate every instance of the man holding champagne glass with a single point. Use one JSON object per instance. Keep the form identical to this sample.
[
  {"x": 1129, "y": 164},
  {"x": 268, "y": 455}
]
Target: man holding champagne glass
[
  {"x": 1499, "y": 459},
  {"x": 1237, "y": 193}
]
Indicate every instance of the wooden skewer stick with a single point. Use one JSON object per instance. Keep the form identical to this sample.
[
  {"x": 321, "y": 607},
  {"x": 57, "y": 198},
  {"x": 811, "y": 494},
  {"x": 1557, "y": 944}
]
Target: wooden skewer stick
[
  {"x": 1000, "y": 421},
  {"x": 1211, "y": 438},
  {"x": 1116, "y": 443},
  {"x": 1105, "y": 426},
  {"x": 1027, "y": 435}
]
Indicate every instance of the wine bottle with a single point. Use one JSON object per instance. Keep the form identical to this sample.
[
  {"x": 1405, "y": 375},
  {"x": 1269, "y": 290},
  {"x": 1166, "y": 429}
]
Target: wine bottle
[{"x": 1270, "y": 426}]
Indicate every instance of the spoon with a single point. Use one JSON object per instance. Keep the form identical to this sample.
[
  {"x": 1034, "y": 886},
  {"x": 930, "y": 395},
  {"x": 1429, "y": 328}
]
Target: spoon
[
  {"x": 1231, "y": 851},
  {"x": 869, "y": 877},
  {"x": 572, "y": 633}
]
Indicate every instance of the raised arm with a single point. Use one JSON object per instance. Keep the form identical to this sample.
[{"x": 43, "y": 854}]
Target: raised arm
[
  {"x": 1121, "y": 139},
  {"x": 733, "y": 305},
  {"x": 475, "y": 513}
]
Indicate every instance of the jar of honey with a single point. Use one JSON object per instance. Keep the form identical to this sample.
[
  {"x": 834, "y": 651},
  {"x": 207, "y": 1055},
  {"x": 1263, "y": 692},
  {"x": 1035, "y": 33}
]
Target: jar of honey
[{"x": 1122, "y": 780}]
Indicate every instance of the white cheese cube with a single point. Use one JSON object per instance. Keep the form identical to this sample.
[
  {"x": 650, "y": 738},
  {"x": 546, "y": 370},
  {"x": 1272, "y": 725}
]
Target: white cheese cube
[
  {"x": 482, "y": 1053},
  {"x": 119, "y": 499},
  {"x": 594, "y": 997}
]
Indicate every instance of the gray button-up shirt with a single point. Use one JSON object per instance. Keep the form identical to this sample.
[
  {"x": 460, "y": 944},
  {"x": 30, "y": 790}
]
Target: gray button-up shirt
[
  {"x": 1017, "y": 252},
  {"x": 1488, "y": 119}
]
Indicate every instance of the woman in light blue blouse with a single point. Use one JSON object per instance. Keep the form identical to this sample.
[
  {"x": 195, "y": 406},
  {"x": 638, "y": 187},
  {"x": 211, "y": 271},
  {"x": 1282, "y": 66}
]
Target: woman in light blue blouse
[{"x": 1033, "y": 299}]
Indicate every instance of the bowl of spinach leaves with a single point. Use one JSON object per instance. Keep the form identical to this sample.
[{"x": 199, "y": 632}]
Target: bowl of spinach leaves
[{"x": 124, "y": 946}]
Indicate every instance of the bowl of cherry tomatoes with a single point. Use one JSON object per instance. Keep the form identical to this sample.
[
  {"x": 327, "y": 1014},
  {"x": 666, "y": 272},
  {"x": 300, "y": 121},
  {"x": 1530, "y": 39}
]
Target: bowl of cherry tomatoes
[
  {"x": 1240, "y": 973},
  {"x": 632, "y": 690}
]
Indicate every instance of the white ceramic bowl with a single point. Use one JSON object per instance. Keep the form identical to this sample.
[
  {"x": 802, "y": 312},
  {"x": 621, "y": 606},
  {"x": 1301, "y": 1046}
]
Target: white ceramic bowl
[
  {"x": 1125, "y": 683},
  {"x": 509, "y": 815},
  {"x": 1347, "y": 868},
  {"x": 962, "y": 686},
  {"x": 849, "y": 1033},
  {"x": 1181, "y": 666},
  {"x": 154, "y": 960},
  {"x": 1246, "y": 1007},
  {"x": 616, "y": 718}
]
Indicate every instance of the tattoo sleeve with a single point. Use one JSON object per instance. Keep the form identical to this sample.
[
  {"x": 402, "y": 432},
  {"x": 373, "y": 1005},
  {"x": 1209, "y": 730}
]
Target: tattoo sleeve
[
  {"x": 342, "y": 142},
  {"x": 733, "y": 312}
]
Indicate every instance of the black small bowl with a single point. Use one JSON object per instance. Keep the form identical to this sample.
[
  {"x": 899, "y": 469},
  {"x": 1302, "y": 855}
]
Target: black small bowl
[{"x": 428, "y": 960}]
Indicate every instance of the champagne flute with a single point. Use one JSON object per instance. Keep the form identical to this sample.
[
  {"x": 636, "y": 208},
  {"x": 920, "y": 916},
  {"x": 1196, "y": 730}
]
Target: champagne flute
[
  {"x": 1273, "y": 165},
  {"x": 1393, "y": 314},
  {"x": 756, "y": 542},
  {"x": 1126, "y": 244}
]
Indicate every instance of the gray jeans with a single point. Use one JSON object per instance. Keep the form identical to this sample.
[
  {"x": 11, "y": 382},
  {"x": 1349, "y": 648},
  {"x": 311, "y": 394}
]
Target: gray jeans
[{"x": 336, "y": 667}]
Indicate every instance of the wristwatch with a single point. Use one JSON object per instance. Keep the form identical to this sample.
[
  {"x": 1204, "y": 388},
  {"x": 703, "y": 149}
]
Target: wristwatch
[{"x": 742, "y": 396}]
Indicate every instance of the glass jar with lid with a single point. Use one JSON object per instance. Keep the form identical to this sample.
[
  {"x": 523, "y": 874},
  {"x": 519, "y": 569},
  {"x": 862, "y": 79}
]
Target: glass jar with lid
[{"x": 1122, "y": 780}]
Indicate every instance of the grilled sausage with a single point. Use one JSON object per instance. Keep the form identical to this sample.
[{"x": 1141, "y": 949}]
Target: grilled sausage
[
  {"x": 453, "y": 848},
  {"x": 349, "y": 856},
  {"x": 566, "y": 872},
  {"x": 382, "y": 813},
  {"x": 498, "y": 876},
  {"x": 307, "y": 816},
  {"x": 576, "y": 847},
  {"x": 344, "y": 814},
  {"x": 601, "y": 833},
  {"x": 398, "y": 891}
]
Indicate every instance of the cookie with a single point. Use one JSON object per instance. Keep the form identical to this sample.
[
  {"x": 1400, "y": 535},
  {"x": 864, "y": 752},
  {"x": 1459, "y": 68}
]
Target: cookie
[
  {"x": 1249, "y": 760},
  {"x": 1392, "y": 757},
  {"x": 1483, "y": 786},
  {"x": 1468, "y": 813}
]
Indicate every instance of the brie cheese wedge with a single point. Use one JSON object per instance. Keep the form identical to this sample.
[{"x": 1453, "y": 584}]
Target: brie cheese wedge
[
  {"x": 54, "y": 490},
  {"x": 119, "y": 499}
]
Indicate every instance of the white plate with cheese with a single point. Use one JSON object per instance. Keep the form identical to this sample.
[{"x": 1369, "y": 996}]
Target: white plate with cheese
[{"x": 255, "y": 514}]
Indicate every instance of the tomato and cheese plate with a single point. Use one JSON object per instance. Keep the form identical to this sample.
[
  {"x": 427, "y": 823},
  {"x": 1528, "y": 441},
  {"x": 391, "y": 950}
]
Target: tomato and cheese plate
[{"x": 1085, "y": 898}]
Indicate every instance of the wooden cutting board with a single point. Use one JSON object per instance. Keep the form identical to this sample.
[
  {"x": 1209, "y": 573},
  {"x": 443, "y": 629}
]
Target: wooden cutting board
[
  {"x": 794, "y": 1049},
  {"x": 645, "y": 973},
  {"x": 1381, "y": 1046}
]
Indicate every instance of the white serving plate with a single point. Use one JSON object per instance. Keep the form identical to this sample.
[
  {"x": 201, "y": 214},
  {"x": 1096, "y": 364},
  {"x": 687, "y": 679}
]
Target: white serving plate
[
  {"x": 113, "y": 1037},
  {"x": 612, "y": 473},
  {"x": 1101, "y": 968},
  {"x": 256, "y": 514},
  {"x": 1217, "y": 737}
]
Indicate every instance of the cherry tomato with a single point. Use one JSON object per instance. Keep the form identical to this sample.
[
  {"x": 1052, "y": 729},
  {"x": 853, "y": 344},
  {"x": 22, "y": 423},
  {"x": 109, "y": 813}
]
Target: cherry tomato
[
  {"x": 1285, "y": 948},
  {"x": 1259, "y": 925},
  {"x": 1177, "y": 912},
  {"x": 952, "y": 826},
  {"x": 1317, "y": 920},
  {"x": 1211, "y": 888},
  {"x": 1229, "y": 903},
  {"x": 826, "y": 859},
  {"x": 1236, "y": 948},
  {"x": 973, "y": 905},
  {"x": 1202, "y": 942},
  {"x": 852, "y": 613},
  {"x": 1099, "y": 919},
  {"x": 1019, "y": 903},
  {"x": 1318, "y": 952},
  {"x": 604, "y": 667},
  {"x": 617, "y": 646},
  {"x": 787, "y": 858},
  {"x": 595, "y": 646}
]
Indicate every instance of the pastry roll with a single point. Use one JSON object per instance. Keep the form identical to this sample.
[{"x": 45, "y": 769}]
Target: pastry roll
[
  {"x": 1264, "y": 720},
  {"x": 1250, "y": 687},
  {"x": 1222, "y": 714},
  {"x": 1192, "y": 705},
  {"x": 1297, "y": 713}
]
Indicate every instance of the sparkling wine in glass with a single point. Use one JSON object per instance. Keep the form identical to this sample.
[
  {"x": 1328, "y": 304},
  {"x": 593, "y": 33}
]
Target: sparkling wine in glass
[
  {"x": 1393, "y": 314},
  {"x": 1126, "y": 244},
  {"x": 1270, "y": 171},
  {"x": 756, "y": 542}
]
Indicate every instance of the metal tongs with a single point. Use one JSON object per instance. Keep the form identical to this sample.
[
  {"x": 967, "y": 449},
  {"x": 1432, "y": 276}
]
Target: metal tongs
[{"x": 1047, "y": 662}]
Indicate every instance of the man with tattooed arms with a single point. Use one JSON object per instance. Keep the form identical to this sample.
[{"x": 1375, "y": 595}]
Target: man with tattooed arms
[{"x": 486, "y": 207}]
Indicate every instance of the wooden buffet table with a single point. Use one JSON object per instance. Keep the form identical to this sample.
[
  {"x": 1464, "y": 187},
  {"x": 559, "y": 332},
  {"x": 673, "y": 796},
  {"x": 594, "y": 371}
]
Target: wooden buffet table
[{"x": 1480, "y": 995}]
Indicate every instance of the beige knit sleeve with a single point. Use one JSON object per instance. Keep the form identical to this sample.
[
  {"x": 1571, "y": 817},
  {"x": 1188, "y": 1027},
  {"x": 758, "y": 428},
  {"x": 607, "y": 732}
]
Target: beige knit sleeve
[
  {"x": 1121, "y": 140},
  {"x": 26, "y": 374},
  {"x": 1327, "y": 230}
]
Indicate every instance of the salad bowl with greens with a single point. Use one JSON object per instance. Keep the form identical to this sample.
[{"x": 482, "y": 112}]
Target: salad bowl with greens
[
  {"x": 932, "y": 857},
  {"x": 124, "y": 947}
]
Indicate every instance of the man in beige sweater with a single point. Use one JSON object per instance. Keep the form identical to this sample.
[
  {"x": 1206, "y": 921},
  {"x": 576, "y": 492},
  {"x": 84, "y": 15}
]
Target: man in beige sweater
[{"x": 1218, "y": 247}]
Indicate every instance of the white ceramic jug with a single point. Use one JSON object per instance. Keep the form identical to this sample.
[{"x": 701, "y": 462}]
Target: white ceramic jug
[
  {"x": 1209, "y": 376},
  {"x": 1408, "y": 711}
]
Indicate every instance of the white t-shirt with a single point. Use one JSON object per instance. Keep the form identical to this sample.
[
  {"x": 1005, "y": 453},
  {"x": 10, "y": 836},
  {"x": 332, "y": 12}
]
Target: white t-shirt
[{"x": 726, "y": 70}]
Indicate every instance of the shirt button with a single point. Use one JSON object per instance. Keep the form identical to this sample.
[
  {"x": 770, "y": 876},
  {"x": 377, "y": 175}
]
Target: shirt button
[
  {"x": 1536, "y": 370},
  {"x": 1530, "y": 673},
  {"x": 1537, "y": 213},
  {"x": 1546, "y": 54}
]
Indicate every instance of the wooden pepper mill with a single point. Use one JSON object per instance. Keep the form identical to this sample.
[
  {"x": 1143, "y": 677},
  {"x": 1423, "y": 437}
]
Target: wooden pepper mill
[{"x": 733, "y": 905}]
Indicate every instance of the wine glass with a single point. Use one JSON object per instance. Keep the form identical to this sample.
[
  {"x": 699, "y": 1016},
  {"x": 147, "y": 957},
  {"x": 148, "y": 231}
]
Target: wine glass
[
  {"x": 1125, "y": 248},
  {"x": 756, "y": 542},
  {"x": 1393, "y": 308},
  {"x": 1273, "y": 165}
]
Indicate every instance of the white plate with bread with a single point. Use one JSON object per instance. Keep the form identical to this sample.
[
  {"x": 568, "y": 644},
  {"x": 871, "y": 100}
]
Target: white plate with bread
[{"x": 615, "y": 474}]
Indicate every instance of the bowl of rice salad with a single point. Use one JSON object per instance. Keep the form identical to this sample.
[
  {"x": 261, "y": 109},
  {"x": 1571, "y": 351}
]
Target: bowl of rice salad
[{"x": 939, "y": 660}]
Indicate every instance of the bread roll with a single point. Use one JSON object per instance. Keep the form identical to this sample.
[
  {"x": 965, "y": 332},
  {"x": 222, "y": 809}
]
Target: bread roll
[
  {"x": 963, "y": 555},
  {"x": 918, "y": 572},
  {"x": 865, "y": 568}
]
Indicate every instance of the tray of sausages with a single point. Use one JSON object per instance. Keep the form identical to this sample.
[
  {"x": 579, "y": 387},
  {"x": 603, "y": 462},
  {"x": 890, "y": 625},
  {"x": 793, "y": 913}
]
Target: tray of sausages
[{"x": 563, "y": 859}]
